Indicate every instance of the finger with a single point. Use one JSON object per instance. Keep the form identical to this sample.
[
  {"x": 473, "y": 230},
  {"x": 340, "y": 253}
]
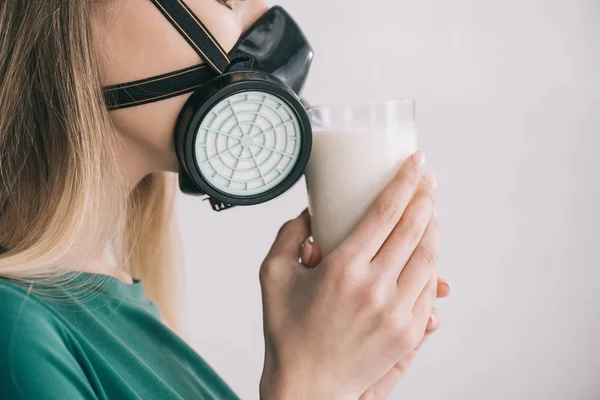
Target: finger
[
  {"x": 290, "y": 237},
  {"x": 399, "y": 246},
  {"x": 421, "y": 265},
  {"x": 402, "y": 365},
  {"x": 385, "y": 212},
  {"x": 384, "y": 386},
  {"x": 435, "y": 320},
  {"x": 443, "y": 288},
  {"x": 425, "y": 337},
  {"x": 423, "y": 307}
]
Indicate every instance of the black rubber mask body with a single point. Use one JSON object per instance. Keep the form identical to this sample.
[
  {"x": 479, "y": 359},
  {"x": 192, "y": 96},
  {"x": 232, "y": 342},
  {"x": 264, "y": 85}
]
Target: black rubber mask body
[{"x": 243, "y": 137}]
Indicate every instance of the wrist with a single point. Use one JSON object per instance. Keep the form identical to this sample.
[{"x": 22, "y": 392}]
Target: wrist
[{"x": 277, "y": 385}]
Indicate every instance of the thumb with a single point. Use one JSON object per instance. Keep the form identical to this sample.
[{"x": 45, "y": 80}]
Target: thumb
[
  {"x": 290, "y": 237},
  {"x": 310, "y": 254}
]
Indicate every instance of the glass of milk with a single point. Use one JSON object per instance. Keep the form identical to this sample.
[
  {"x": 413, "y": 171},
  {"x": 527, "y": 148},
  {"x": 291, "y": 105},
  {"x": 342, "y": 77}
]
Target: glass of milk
[{"x": 357, "y": 149}]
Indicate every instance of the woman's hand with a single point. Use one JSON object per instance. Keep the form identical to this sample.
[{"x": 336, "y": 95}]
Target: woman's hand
[
  {"x": 335, "y": 330},
  {"x": 383, "y": 387},
  {"x": 311, "y": 257}
]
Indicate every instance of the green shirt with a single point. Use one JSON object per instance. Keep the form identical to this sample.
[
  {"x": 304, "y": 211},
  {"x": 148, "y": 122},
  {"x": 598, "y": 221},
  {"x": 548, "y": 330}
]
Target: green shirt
[{"x": 95, "y": 338}]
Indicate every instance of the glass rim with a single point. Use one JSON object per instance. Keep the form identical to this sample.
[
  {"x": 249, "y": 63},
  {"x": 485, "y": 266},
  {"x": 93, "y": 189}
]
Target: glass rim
[{"x": 412, "y": 102}]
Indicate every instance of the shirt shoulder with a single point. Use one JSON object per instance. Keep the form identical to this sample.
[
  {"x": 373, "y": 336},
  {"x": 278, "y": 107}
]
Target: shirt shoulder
[
  {"x": 36, "y": 361},
  {"x": 23, "y": 317}
]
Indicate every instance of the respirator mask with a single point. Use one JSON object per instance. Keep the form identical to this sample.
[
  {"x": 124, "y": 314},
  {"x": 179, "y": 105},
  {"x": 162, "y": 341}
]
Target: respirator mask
[{"x": 243, "y": 137}]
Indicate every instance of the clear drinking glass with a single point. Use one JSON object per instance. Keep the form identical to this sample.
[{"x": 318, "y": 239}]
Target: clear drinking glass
[{"x": 357, "y": 148}]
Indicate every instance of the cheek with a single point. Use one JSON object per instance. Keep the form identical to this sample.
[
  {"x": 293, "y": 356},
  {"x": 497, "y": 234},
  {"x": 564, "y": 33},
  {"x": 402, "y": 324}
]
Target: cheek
[
  {"x": 148, "y": 131},
  {"x": 220, "y": 21},
  {"x": 138, "y": 42},
  {"x": 248, "y": 11}
]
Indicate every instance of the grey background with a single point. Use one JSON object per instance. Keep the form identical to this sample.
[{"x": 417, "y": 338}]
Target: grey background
[{"x": 508, "y": 108}]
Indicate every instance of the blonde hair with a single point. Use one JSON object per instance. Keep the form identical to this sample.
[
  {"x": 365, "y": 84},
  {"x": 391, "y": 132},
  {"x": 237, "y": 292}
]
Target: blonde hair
[{"x": 62, "y": 196}]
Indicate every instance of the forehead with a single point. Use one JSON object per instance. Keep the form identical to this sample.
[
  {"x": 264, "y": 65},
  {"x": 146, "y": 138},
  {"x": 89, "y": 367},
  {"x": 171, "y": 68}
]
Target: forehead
[{"x": 133, "y": 40}]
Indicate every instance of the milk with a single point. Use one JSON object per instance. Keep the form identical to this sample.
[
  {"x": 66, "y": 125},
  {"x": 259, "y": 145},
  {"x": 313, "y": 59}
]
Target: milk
[{"x": 346, "y": 172}]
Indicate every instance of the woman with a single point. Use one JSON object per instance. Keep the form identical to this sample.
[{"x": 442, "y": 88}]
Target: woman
[{"x": 89, "y": 282}]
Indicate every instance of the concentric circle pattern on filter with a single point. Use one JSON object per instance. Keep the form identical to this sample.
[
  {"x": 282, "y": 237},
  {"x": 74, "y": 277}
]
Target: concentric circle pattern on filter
[{"x": 248, "y": 143}]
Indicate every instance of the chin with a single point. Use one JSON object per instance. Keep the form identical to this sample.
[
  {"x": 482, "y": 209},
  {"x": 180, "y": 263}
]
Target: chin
[
  {"x": 166, "y": 164},
  {"x": 174, "y": 163},
  {"x": 169, "y": 162}
]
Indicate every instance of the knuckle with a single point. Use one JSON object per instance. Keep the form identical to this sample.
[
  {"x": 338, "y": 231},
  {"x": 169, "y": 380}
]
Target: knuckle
[
  {"x": 430, "y": 198},
  {"x": 403, "y": 330},
  {"x": 285, "y": 228},
  {"x": 264, "y": 274},
  {"x": 411, "y": 176},
  {"x": 411, "y": 338},
  {"x": 406, "y": 336},
  {"x": 411, "y": 231},
  {"x": 426, "y": 198},
  {"x": 373, "y": 298},
  {"x": 386, "y": 209},
  {"x": 267, "y": 272},
  {"x": 428, "y": 255},
  {"x": 345, "y": 274},
  {"x": 398, "y": 326},
  {"x": 398, "y": 320}
]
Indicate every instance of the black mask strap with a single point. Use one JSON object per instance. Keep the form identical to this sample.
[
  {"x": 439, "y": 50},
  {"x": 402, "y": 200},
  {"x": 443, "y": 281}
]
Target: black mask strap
[
  {"x": 178, "y": 82},
  {"x": 157, "y": 88},
  {"x": 194, "y": 31}
]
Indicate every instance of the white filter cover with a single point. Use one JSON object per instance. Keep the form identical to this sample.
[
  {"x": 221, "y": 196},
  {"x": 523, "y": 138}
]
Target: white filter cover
[{"x": 248, "y": 143}]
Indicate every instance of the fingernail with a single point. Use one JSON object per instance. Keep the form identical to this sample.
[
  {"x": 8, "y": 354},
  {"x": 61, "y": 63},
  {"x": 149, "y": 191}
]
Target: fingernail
[
  {"x": 430, "y": 177},
  {"x": 307, "y": 251},
  {"x": 420, "y": 159},
  {"x": 446, "y": 284},
  {"x": 431, "y": 319}
]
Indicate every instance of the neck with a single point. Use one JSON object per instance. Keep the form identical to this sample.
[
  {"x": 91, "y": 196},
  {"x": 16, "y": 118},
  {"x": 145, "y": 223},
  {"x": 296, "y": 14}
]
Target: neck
[
  {"x": 136, "y": 164},
  {"x": 103, "y": 266}
]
